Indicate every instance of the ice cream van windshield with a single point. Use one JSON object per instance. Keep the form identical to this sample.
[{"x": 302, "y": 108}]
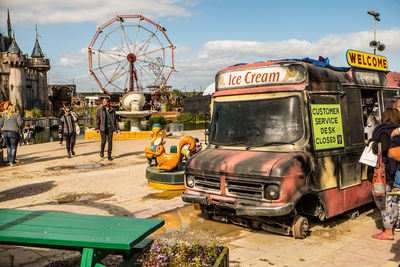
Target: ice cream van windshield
[{"x": 257, "y": 122}]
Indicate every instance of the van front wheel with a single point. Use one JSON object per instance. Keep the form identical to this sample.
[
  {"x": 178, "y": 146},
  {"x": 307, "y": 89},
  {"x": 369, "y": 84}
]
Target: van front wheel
[{"x": 300, "y": 227}]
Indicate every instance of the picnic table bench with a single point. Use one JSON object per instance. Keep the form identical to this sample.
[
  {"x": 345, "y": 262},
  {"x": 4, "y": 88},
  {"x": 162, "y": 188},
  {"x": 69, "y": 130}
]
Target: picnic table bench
[{"x": 93, "y": 235}]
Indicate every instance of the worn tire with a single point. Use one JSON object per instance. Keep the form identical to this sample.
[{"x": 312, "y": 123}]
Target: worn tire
[
  {"x": 205, "y": 213},
  {"x": 300, "y": 227}
]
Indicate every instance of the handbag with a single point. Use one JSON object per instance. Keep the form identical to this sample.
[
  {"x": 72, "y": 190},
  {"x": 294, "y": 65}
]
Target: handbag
[
  {"x": 368, "y": 156},
  {"x": 379, "y": 180}
]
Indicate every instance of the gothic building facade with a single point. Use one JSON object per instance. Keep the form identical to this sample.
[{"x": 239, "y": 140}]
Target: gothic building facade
[{"x": 23, "y": 79}]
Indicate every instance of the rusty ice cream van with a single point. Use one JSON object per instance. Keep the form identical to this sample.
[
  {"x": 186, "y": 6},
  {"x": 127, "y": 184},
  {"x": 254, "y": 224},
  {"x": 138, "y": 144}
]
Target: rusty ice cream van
[{"x": 285, "y": 141}]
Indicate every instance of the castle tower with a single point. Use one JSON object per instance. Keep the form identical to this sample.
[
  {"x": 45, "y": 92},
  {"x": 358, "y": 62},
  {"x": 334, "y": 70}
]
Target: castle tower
[
  {"x": 41, "y": 64},
  {"x": 16, "y": 82}
]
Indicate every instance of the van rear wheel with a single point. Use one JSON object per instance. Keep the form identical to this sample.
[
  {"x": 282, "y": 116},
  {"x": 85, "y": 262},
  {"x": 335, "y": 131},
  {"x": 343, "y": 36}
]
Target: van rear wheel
[{"x": 300, "y": 227}]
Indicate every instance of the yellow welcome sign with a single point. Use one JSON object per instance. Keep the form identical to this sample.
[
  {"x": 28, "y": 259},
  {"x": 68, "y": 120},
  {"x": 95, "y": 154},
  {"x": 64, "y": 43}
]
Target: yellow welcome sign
[{"x": 366, "y": 60}]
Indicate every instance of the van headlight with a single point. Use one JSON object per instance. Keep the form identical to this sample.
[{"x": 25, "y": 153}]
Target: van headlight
[
  {"x": 190, "y": 181},
  {"x": 271, "y": 192}
]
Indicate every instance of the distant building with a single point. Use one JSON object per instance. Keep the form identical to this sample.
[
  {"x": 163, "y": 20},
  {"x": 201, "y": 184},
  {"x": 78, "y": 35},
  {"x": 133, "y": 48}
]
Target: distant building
[
  {"x": 61, "y": 95},
  {"x": 23, "y": 79}
]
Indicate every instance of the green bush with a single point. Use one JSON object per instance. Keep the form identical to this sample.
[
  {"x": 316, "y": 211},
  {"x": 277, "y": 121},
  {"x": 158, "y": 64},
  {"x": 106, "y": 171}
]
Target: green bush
[
  {"x": 158, "y": 119},
  {"x": 202, "y": 117},
  {"x": 33, "y": 113},
  {"x": 127, "y": 125},
  {"x": 185, "y": 117}
]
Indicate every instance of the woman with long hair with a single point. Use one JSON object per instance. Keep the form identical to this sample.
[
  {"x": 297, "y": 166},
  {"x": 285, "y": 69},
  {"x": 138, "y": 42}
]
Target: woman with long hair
[
  {"x": 10, "y": 125},
  {"x": 388, "y": 205}
]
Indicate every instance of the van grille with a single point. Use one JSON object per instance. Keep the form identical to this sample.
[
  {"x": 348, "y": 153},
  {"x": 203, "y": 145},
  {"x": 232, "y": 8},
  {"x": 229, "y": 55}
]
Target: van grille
[
  {"x": 244, "y": 188},
  {"x": 233, "y": 187},
  {"x": 210, "y": 183}
]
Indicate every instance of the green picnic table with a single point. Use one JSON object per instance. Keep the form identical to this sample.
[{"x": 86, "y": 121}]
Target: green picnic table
[{"x": 93, "y": 235}]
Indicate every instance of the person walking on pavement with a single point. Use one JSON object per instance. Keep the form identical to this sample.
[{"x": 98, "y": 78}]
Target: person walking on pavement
[
  {"x": 59, "y": 115},
  {"x": 11, "y": 124},
  {"x": 67, "y": 129},
  {"x": 106, "y": 124}
]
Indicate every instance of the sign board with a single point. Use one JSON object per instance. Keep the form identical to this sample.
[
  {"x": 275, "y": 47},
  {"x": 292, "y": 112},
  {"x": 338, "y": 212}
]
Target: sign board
[
  {"x": 366, "y": 60},
  {"x": 369, "y": 77},
  {"x": 327, "y": 126},
  {"x": 259, "y": 76}
]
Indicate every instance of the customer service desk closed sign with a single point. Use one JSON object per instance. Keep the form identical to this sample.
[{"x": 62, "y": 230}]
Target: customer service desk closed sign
[{"x": 327, "y": 126}]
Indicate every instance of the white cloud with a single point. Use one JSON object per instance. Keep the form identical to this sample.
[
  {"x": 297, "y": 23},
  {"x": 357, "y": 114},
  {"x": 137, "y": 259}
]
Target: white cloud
[
  {"x": 215, "y": 55},
  {"x": 199, "y": 70},
  {"x": 75, "y": 11},
  {"x": 76, "y": 59}
]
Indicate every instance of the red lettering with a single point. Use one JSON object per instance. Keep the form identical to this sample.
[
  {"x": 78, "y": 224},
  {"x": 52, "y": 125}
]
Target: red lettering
[
  {"x": 359, "y": 59},
  {"x": 252, "y": 77},
  {"x": 264, "y": 77},
  {"x": 234, "y": 80},
  {"x": 258, "y": 76},
  {"x": 352, "y": 57},
  {"x": 239, "y": 80},
  {"x": 230, "y": 80},
  {"x": 246, "y": 76},
  {"x": 385, "y": 63},
  {"x": 364, "y": 63},
  {"x": 380, "y": 62},
  {"x": 274, "y": 75},
  {"x": 369, "y": 60},
  {"x": 374, "y": 61}
]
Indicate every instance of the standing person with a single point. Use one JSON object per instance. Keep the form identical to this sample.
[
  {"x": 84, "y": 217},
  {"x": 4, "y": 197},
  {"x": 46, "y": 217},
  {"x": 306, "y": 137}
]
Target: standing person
[
  {"x": 106, "y": 123},
  {"x": 67, "y": 129},
  {"x": 10, "y": 125},
  {"x": 59, "y": 115},
  {"x": 387, "y": 204},
  {"x": 395, "y": 142}
]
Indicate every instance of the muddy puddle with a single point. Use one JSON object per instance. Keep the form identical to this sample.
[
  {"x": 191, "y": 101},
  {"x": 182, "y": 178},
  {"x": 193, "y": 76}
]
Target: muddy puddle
[
  {"x": 79, "y": 167},
  {"x": 187, "y": 221}
]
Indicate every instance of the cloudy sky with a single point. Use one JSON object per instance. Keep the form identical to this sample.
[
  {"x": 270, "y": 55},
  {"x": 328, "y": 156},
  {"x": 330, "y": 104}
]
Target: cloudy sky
[{"x": 208, "y": 35}]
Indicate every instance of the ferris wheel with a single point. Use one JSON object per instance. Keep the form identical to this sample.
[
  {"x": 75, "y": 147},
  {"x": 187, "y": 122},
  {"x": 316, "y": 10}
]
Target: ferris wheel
[{"x": 130, "y": 53}]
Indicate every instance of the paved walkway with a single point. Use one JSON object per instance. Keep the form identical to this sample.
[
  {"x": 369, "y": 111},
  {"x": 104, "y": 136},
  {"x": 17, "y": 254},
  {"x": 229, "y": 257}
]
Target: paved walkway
[{"x": 47, "y": 180}]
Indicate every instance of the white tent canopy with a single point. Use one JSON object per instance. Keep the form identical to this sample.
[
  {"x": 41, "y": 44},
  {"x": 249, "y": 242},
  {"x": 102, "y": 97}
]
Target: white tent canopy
[{"x": 209, "y": 89}]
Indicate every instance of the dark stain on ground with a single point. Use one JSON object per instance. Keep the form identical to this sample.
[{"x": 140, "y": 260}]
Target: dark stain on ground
[
  {"x": 166, "y": 195},
  {"x": 79, "y": 167},
  {"x": 68, "y": 198}
]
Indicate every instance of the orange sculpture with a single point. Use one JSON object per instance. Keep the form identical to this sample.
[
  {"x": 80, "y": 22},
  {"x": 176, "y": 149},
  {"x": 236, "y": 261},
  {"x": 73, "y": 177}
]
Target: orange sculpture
[{"x": 166, "y": 161}]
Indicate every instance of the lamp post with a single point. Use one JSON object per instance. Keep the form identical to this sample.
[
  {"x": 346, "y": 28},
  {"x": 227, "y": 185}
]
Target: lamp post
[{"x": 375, "y": 44}]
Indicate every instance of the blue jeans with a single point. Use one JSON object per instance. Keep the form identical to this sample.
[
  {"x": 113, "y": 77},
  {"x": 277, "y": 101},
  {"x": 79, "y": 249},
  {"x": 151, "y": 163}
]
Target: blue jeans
[
  {"x": 11, "y": 139},
  {"x": 397, "y": 178}
]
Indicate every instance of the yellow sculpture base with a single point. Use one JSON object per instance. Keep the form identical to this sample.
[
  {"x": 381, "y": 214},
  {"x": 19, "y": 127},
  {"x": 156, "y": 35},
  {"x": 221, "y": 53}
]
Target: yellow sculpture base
[
  {"x": 166, "y": 186},
  {"x": 92, "y": 135}
]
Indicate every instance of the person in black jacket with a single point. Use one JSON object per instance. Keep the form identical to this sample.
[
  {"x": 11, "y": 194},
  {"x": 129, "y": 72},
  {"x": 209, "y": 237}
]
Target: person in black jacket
[
  {"x": 67, "y": 129},
  {"x": 106, "y": 124},
  {"x": 59, "y": 115}
]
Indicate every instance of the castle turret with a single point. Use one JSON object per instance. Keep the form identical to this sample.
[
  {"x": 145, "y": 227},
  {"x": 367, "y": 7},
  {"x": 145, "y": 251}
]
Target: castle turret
[
  {"x": 17, "y": 64},
  {"x": 41, "y": 64}
]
